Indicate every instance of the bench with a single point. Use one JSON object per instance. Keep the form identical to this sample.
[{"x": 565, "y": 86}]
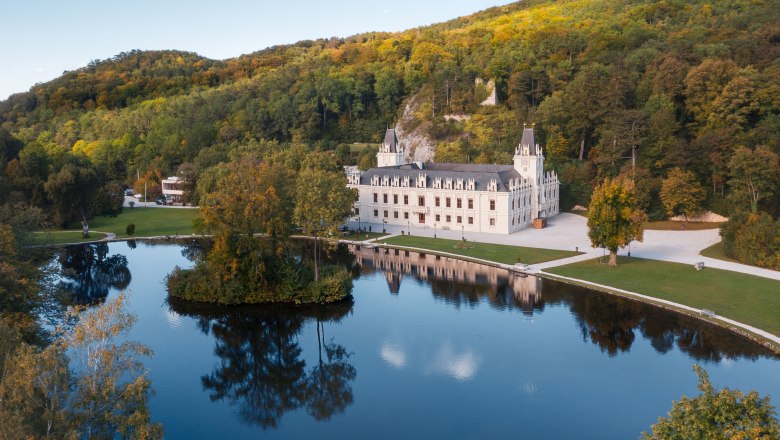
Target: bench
[{"x": 699, "y": 265}]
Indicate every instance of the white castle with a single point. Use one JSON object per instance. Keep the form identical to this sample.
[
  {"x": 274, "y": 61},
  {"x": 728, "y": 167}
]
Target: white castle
[{"x": 498, "y": 199}]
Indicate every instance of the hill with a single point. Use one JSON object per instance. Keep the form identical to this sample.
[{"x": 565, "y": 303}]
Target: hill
[{"x": 672, "y": 83}]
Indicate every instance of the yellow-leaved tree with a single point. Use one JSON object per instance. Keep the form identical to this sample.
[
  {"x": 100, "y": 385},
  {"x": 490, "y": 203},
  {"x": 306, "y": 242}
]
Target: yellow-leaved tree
[{"x": 614, "y": 216}]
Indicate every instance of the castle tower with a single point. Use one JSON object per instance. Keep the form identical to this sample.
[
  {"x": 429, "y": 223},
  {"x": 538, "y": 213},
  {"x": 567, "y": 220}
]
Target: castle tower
[
  {"x": 529, "y": 160},
  {"x": 391, "y": 152}
]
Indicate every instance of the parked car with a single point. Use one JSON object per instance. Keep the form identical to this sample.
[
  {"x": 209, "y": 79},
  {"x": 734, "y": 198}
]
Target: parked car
[
  {"x": 161, "y": 200},
  {"x": 129, "y": 192}
]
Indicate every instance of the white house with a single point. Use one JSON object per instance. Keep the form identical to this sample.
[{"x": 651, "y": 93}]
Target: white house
[
  {"x": 173, "y": 189},
  {"x": 499, "y": 199}
]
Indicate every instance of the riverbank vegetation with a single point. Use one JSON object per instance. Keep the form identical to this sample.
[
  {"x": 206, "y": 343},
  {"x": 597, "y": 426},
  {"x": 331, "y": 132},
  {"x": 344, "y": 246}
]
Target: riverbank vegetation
[
  {"x": 745, "y": 298},
  {"x": 251, "y": 206},
  {"x": 485, "y": 251}
]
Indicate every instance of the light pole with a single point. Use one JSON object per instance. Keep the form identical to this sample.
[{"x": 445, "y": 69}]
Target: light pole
[
  {"x": 384, "y": 226},
  {"x": 462, "y": 233},
  {"x": 434, "y": 230},
  {"x": 408, "y": 227}
]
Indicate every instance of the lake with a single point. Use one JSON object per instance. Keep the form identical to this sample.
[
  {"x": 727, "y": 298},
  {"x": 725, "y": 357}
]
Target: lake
[{"x": 429, "y": 347}]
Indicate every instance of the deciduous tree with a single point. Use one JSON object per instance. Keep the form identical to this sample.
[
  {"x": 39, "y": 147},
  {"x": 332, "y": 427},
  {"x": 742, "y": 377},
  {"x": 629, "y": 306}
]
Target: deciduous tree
[
  {"x": 754, "y": 175},
  {"x": 614, "y": 218},
  {"x": 718, "y": 414},
  {"x": 681, "y": 193}
]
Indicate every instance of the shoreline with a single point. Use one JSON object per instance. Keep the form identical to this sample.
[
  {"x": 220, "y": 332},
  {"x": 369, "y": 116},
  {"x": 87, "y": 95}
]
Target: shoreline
[{"x": 756, "y": 335}]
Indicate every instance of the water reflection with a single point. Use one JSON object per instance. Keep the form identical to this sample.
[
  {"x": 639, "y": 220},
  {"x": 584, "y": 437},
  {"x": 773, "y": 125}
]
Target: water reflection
[
  {"x": 261, "y": 368},
  {"x": 88, "y": 272},
  {"x": 612, "y": 323}
]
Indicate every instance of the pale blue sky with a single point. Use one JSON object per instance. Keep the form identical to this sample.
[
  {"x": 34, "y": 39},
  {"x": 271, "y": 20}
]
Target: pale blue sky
[{"x": 42, "y": 38}]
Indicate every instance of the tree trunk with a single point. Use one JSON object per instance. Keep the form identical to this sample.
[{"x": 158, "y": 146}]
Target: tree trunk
[
  {"x": 613, "y": 258},
  {"x": 582, "y": 146},
  {"x": 316, "y": 260},
  {"x": 84, "y": 224}
]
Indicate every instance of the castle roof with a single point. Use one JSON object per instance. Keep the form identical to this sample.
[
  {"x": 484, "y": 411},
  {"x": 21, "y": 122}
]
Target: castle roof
[
  {"x": 482, "y": 174},
  {"x": 528, "y": 138}
]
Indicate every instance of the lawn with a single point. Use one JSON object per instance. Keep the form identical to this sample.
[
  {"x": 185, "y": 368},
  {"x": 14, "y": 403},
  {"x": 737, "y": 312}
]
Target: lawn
[
  {"x": 486, "y": 251},
  {"x": 668, "y": 225},
  {"x": 60, "y": 237},
  {"x": 716, "y": 251},
  {"x": 148, "y": 222},
  {"x": 363, "y": 235},
  {"x": 745, "y": 298}
]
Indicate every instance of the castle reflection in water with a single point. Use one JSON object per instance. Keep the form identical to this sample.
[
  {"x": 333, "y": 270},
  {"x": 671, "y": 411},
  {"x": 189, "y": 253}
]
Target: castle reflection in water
[{"x": 456, "y": 281}]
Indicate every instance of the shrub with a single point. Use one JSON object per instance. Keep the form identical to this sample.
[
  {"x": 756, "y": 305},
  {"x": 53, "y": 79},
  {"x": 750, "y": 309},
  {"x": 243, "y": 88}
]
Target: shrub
[
  {"x": 752, "y": 239},
  {"x": 130, "y": 229}
]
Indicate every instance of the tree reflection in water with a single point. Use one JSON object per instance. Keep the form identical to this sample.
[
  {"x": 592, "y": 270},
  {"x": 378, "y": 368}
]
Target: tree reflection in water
[
  {"x": 261, "y": 367},
  {"x": 610, "y": 322},
  {"x": 88, "y": 272}
]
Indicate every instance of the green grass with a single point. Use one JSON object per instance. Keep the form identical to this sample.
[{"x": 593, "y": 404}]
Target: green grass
[
  {"x": 148, "y": 222},
  {"x": 363, "y": 236},
  {"x": 716, "y": 251},
  {"x": 486, "y": 251},
  {"x": 745, "y": 298},
  {"x": 60, "y": 237}
]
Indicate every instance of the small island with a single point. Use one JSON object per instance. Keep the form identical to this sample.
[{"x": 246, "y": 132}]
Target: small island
[{"x": 250, "y": 206}]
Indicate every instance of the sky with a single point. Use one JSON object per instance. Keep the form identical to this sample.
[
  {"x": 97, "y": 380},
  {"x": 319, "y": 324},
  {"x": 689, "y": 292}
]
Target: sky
[{"x": 43, "y": 38}]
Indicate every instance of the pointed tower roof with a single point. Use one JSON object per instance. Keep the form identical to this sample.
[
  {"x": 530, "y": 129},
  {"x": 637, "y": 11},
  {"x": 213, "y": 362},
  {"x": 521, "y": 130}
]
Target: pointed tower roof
[
  {"x": 391, "y": 140},
  {"x": 528, "y": 138}
]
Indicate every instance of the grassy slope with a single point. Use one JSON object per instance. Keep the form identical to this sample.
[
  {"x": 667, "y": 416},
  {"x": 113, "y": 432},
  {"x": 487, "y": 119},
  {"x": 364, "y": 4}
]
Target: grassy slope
[
  {"x": 486, "y": 251},
  {"x": 745, "y": 298},
  {"x": 716, "y": 251},
  {"x": 60, "y": 237}
]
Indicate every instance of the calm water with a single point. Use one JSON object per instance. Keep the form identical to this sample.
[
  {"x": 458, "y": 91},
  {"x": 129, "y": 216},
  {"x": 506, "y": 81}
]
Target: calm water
[{"x": 429, "y": 348}]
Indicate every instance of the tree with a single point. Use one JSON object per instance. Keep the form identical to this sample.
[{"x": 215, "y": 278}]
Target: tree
[
  {"x": 614, "y": 218},
  {"x": 322, "y": 202},
  {"x": 85, "y": 384},
  {"x": 681, "y": 193},
  {"x": 754, "y": 175},
  {"x": 718, "y": 414}
]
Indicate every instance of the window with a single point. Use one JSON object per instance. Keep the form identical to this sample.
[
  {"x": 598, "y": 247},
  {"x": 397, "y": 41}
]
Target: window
[
  {"x": 395, "y": 214},
  {"x": 449, "y": 219},
  {"x": 384, "y": 199},
  {"x": 438, "y": 218},
  {"x": 357, "y": 211},
  {"x": 460, "y": 219},
  {"x": 376, "y": 213},
  {"x": 447, "y": 202},
  {"x": 376, "y": 198},
  {"x": 406, "y": 216},
  {"x": 395, "y": 198},
  {"x": 471, "y": 220},
  {"x": 436, "y": 201},
  {"x": 406, "y": 199},
  {"x": 457, "y": 202},
  {"x": 471, "y": 203},
  {"x": 513, "y": 204},
  {"x": 492, "y": 222},
  {"x": 385, "y": 214},
  {"x": 492, "y": 205},
  {"x": 421, "y": 200}
]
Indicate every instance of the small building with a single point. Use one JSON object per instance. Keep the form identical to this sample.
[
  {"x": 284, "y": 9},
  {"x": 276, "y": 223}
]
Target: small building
[
  {"x": 173, "y": 189},
  {"x": 499, "y": 199}
]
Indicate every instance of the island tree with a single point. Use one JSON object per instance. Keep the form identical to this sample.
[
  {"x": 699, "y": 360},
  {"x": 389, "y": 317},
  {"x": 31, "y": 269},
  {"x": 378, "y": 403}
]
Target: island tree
[
  {"x": 614, "y": 218},
  {"x": 322, "y": 203},
  {"x": 681, "y": 193}
]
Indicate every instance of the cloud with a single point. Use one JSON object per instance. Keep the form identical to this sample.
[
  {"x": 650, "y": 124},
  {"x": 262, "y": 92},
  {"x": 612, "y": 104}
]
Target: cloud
[
  {"x": 393, "y": 355},
  {"x": 461, "y": 366}
]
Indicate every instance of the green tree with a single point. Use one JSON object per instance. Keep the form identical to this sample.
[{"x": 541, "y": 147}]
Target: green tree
[
  {"x": 718, "y": 414},
  {"x": 681, "y": 193},
  {"x": 322, "y": 203},
  {"x": 754, "y": 175},
  {"x": 614, "y": 218}
]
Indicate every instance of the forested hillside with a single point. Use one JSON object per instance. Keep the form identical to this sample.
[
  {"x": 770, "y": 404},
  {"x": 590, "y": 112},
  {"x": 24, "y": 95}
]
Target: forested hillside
[{"x": 613, "y": 86}]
